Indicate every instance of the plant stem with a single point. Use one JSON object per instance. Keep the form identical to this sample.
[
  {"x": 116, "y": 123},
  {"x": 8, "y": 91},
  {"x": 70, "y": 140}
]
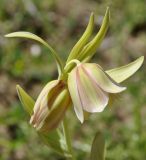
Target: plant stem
[{"x": 68, "y": 138}]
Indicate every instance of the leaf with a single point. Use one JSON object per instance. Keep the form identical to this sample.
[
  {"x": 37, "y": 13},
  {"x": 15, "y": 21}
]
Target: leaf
[
  {"x": 90, "y": 49},
  {"x": 98, "y": 147},
  {"x": 56, "y": 141},
  {"x": 53, "y": 139},
  {"x": 83, "y": 40},
  {"x": 35, "y": 37},
  {"x": 122, "y": 73},
  {"x": 26, "y": 100}
]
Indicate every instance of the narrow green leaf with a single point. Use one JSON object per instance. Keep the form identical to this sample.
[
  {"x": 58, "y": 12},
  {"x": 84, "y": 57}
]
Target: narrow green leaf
[
  {"x": 90, "y": 49},
  {"x": 53, "y": 139},
  {"x": 35, "y": 37},
  {"x": 122, "y": 73},
  {"x": 26, "y": 100},
  {"x": 98, "y": 147},
  {"x": 83, "y": 40}
]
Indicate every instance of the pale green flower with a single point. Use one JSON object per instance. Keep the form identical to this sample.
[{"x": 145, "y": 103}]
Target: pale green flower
[
  {"x": 90, "y": 86},
  {"x": 87, "y": 83}
]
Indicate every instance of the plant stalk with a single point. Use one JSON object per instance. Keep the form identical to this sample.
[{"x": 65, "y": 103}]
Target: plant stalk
[{"x": 68, "y": 138}]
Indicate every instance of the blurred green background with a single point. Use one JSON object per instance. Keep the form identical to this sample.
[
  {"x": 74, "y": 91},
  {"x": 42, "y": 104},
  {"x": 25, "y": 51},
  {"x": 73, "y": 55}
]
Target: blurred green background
[{"x": 24, "y": 62}]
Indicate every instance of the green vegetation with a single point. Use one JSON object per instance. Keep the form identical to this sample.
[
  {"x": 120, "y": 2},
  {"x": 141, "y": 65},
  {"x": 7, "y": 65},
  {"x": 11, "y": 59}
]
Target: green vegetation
[{"x": 25, "y": 62}]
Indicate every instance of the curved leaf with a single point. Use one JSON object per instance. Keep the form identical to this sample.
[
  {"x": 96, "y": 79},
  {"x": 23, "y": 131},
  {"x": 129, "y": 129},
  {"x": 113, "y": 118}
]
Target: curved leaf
[
  {"x": 122, "y": 73},
  {"x": 90, "y": 49},
  {"x": 83, "y": 40},
  {"x": 98, "y": 148},
  {"x": 26, "y": 100},
  {"x": 35, "y": 37}
]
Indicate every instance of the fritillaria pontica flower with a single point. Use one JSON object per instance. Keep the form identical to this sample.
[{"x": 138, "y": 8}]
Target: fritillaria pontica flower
[{"x": 88, "y": 85}]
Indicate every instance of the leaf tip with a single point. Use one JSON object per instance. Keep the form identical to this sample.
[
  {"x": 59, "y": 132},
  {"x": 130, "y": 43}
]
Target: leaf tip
[
  {"x": 107, "y": 8},
  {"x": 6, "y": 35},
  {"x": 92, "y": 15},
  {"x": 18, "y": 87},
  {"x": 107, "y": 14},
  {"x": 142, "y": 59},
  {"x": 91, "y": 19},
  {"x": 9, "y": 35},
  {"x": 19, "y": 91}
]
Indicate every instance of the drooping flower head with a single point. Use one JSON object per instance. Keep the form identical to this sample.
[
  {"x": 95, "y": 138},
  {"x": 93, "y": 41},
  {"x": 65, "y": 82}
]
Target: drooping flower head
[{"x": 88, "y": 85}]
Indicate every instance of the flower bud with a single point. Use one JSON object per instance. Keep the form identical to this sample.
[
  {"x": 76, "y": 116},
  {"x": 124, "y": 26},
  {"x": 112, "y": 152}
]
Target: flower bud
[{"x": 50, "y": 106}]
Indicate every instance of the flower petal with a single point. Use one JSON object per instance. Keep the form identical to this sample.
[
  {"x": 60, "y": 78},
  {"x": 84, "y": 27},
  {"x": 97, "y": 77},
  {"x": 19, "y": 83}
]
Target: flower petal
[
  {"x": 39, "y": 111},
  {"x": 103, "y": 80},
  {"x": 44, "y": 92},
  {"x": 122, "y": 73},
  {"x": 74, "y": 93},
  {"x": 59, "y": 108},
  {"x": 93, "y": 98},
  {"x": 50, "y": 106}
]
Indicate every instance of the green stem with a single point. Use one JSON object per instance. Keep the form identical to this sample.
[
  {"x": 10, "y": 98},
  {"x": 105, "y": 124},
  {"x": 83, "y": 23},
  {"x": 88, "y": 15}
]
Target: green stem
[
  {"x": 68, "y": 138},
  {"x": 69, "y": 66}
]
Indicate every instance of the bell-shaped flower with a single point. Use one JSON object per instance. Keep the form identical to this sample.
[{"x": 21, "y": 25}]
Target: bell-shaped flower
[
  {"x": 89, "y": 85},
  {"x": 50, "y": 106}
]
